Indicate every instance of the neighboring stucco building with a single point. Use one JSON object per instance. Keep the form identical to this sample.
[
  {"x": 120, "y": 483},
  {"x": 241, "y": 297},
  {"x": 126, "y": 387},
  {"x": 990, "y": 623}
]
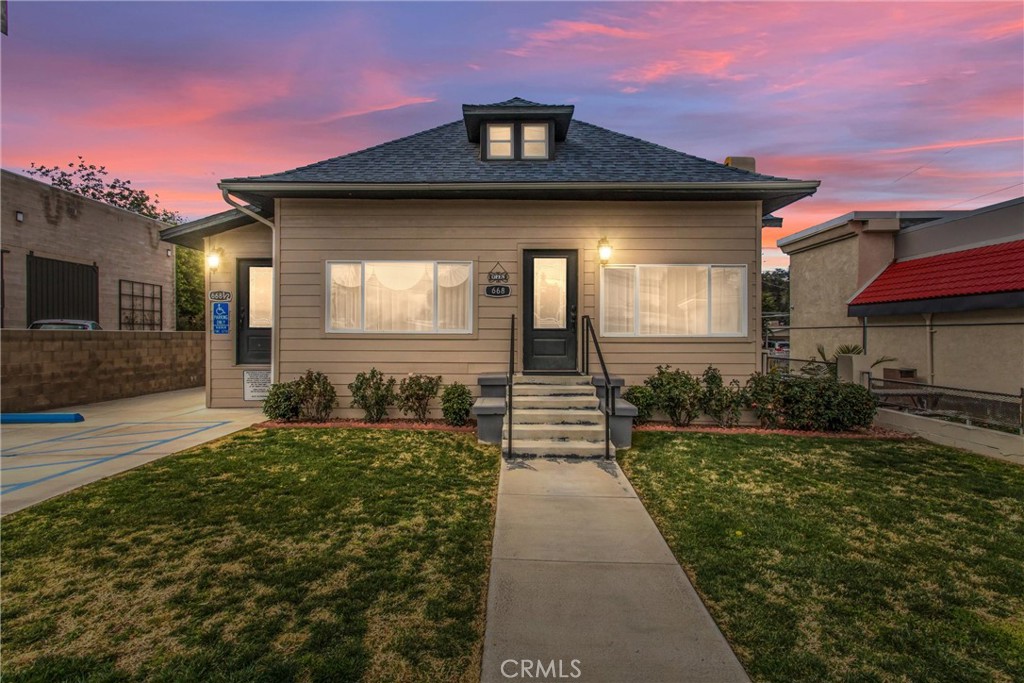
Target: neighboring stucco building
[
  {"x": 942, "y": 292},
  {"x": 384, "y": 257},
  {"x": 66, "y": 256}
]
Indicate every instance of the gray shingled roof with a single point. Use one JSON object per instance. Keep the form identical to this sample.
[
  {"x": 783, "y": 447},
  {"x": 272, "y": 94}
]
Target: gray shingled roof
[{"x": 444, "y": 155}]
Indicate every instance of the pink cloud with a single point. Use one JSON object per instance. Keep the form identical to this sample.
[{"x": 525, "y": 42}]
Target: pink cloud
[
  {"x": 374, "y": 108},
  {"x": 698, "y": 62},
  {"x": 561, "y": 32},
  {"x": 952, "y": 144}
]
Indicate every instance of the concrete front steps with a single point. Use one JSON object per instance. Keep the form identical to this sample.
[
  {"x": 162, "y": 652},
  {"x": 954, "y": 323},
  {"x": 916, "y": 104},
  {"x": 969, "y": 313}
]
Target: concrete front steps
[{"x": 555, "y": 416}]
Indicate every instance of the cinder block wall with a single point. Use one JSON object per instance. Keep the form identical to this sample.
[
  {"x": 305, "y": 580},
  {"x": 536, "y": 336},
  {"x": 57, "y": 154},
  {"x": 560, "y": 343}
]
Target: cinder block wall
[{"x": 44, "y": 369}]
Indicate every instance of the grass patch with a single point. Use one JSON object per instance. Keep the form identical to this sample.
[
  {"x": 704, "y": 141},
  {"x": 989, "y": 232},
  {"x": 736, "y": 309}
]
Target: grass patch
[
  {"x": 272, "y": 555},
  {"x": 845, "y": 560}
]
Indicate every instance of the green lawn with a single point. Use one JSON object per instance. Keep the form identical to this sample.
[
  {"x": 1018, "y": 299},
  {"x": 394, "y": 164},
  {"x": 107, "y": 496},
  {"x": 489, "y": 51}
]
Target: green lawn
[
  {"x": 273, "y": 555},
  {"x": 846, "y": 560}
]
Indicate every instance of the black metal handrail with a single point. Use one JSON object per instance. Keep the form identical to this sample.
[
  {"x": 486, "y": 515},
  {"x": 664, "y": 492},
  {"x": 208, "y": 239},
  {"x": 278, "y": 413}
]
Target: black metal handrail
[
  {"x": 608, "y": 408},
  {"x": 508, "y": 380}
]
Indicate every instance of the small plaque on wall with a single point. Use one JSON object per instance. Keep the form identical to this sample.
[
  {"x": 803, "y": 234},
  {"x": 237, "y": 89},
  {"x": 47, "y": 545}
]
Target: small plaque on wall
[
  {"x": 221, "y": 317},
  {"x": 255, "y": 384},
  {"x": 498, "y": 290},
  {"x": 498, "y": 273}
]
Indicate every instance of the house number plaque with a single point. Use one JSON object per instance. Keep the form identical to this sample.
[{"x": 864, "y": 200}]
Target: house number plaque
[{"x": 498, "y": 290}]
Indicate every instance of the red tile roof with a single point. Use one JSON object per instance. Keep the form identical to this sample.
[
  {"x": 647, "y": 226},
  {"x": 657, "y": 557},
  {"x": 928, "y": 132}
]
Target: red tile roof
[{"x": 984, "y": 270}]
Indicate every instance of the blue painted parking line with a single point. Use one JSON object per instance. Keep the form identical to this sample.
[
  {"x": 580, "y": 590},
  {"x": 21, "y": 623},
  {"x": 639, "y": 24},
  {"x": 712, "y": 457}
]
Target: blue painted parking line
[
  {"x": 52, "y": 464},
  {"x": 79, "y": 436},
  {"x": 61, "y": 438},
  {"x": 92, "y": 462},
  {"x": 75, "y": 449}
]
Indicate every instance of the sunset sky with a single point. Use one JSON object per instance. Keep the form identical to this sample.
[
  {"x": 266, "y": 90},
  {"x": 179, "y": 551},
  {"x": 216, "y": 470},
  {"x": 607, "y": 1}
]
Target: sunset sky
[{"x": 892, "y": 105}]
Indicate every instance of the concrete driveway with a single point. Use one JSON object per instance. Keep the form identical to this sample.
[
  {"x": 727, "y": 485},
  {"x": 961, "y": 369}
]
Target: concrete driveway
[{"x": 40, "y": 461}]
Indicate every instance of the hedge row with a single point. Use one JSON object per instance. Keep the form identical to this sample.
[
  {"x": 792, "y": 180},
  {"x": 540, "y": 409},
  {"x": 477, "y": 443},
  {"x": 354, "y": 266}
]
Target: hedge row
[{"x": 816, "y": 402}]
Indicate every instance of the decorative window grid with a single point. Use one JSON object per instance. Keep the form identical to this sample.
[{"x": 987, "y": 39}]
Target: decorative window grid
[{"x": 140, "y": 306}]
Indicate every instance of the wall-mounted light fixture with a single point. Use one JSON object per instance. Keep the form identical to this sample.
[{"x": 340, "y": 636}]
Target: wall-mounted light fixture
[
  {"x": 169, "y": 253},
  {"x": 19, "y": 216},
  {"x": 214, "y": 258},
  {"x": 604, "y": 250}
]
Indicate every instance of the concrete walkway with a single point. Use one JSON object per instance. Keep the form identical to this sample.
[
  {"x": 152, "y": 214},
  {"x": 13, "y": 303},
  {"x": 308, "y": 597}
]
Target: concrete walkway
[
  {"x": 39, "y": 461},
  {"x": 583, "y": 583}
]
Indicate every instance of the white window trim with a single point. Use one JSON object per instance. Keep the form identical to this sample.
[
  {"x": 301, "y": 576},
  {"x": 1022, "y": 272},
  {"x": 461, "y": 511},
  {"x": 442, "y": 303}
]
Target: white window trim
[
  {"x": 362, "y": 299},
  {"x": 744, "y": 303}
]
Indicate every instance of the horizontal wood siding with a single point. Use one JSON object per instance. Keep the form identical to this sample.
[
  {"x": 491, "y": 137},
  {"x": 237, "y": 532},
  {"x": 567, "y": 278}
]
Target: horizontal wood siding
[
  {"x": 486, "y": 232},
  {"x": 224, "y": 377}
]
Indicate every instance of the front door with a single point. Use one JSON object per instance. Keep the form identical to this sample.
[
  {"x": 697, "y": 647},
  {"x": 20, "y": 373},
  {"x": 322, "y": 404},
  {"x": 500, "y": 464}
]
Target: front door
[
  {"x": 550, "y": 290},
  {"x": 255, "y": 310}
]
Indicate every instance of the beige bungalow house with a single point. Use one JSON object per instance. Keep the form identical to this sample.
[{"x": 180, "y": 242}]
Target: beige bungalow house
[{"x": 414, "y": 255}]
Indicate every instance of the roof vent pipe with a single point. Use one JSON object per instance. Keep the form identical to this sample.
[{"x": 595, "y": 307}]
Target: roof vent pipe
[{"x": 742, "y": 163}]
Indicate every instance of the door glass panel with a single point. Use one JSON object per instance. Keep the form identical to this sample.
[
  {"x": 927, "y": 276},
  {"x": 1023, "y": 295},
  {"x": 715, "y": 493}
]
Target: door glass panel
[
  {"x": 260, "y": 298},
  {"x": 549, "y": 295}
]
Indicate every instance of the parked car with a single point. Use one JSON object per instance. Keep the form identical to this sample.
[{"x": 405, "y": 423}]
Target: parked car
[
  {"x": 777, "y": 348},
  {"x": 65, "y": 325}
]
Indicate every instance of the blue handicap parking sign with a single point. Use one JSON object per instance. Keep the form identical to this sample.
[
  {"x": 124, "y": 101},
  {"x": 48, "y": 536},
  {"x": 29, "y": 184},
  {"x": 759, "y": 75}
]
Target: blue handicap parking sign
[{"x": 221, "y": 317}]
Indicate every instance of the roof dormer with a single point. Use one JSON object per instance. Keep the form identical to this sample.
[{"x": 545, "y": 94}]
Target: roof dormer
[{"x": 517, "y": 129}]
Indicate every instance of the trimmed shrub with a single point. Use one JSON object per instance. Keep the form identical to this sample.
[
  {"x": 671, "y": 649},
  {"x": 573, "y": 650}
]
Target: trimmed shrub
[
  {"x": 857, "y": 405},
  {"x": 373, "y": 394},
  {"x": 720, "y": 402},
  {"x": 643, "y": 398},
  {"x": 824, "y": 404},
  {"x": 764, "y": 397},
  {"x": 415, "y": 393},
  {"x": 456, "y": 404},
  {"x": 317, "y": 396},
  {"x": 676, "y": 393},
  {"x": 282, "y": 402},
  {"x": 310, "y": 398}
]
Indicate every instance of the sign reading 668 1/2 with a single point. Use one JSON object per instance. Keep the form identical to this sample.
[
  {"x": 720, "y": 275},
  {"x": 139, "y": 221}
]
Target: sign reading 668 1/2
[
  {"x": 498, "y": 290},
  {"x": 220, "y": 295}
]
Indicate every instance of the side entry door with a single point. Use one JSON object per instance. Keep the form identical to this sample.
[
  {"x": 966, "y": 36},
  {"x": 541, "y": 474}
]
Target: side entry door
[{"x": 255, "y": 311}]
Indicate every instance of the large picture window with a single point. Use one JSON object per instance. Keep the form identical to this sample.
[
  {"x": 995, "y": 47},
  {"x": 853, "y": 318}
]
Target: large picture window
[
  {"x": 673, "y": 301},
  {"x": 408, "y": 297}
]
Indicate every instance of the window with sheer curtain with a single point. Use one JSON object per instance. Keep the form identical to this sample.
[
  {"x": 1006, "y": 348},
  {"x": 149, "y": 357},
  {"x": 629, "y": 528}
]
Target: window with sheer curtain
[
  {"x": 411, "y": 297},
  {"x": 673, "y": 301}
]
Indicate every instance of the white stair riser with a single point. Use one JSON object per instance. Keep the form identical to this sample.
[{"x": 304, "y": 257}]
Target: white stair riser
[
  {"x": 552, "y": 390},
  {"x": 578, "y": 449},
  {"x": 544, "y": 432},
  {"x": 552, "y": 379},
  {"x": 562, "y": 402},
  {"x": 558, "y": 417}
]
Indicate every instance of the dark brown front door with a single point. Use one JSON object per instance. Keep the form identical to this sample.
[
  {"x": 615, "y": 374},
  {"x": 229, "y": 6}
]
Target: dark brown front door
[
  {"x": 550, "y": 295},
  {"x": 255, "y": 311}
]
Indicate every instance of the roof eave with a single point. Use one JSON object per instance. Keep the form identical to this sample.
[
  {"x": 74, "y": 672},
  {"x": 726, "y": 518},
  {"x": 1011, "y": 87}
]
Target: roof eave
[
  {"x": 191, "y": 234},
  {"x": 773, "y": 194},
  {"x": 947, "y": 304}
]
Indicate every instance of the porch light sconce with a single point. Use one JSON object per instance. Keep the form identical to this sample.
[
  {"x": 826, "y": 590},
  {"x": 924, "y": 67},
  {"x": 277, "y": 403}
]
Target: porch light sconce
[
  {"x": 214, "y": 258},
  {"x": 19, "y": 216},
  {"x": 604, "y": 250}
]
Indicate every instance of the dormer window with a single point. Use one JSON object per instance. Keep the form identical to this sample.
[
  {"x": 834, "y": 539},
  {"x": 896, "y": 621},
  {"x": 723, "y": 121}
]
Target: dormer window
[
  {"x": 535, "y": 141},
  {"x": 517, "y": 129},
  {"x": 499, "y": 141},
  {"x": 517, "y": 140}
]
